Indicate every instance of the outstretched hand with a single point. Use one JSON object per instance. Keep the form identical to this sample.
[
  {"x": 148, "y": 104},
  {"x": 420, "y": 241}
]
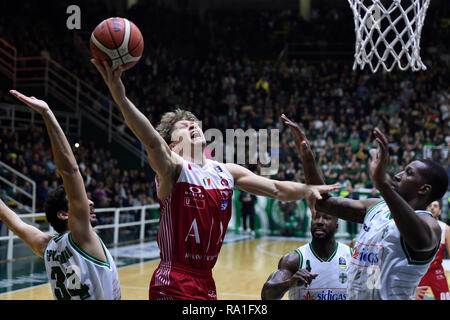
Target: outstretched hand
[
  {"x": 111, "y": 78},
  {"x": 315, "y": 194},
  {"x": 301, "y": 142},
  {"x": 35, "y": 104},
  {"x": 379, "y": 163}
]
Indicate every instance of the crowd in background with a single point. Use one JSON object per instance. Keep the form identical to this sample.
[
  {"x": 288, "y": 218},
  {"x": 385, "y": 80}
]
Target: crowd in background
[
  {"x": 108, "y": 185},
  {"x": 219, "y": 68}
]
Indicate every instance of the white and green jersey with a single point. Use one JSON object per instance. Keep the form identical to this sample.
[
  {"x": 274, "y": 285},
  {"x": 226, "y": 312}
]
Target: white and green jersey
[
  {"x": 76, "y": 275},
  {"x": 381, "y": 267},
  {"x": 331, "y": 282}
]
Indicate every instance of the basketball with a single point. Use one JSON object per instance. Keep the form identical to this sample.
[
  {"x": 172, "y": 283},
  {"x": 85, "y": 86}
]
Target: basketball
[{"x": 117, "y": 41}]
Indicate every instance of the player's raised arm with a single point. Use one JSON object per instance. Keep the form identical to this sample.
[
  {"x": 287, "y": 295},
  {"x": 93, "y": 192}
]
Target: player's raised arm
[
  {"x": 246, "y": 180},
  {"x": 162, "y": 160},
  {"x": 420, "y": 232},
  {"x": 285, "y": 277},
  {"x": 65, "y": 162},
  {"x": 33, "y": 237},
  {"x": 347, "y": 209}
]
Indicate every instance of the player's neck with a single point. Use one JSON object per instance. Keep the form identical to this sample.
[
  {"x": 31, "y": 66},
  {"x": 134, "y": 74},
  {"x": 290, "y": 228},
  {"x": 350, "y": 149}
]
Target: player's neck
[
  {"x": 198, "y": 160},
  {"x": 323, "y": 248},
  {"x": 193, "y": 154}
]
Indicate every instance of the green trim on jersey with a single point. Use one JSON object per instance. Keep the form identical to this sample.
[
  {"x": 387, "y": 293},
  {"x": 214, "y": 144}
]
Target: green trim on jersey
[
  {"x": 410, "y": 259},
  {"x": 331, "y": 255},
  {"x": 58, "y": 237},
  {"x": 300, "y": 258},
  {"x": 55, "y": 238},
  {"x": 373, "y": 208},
  {"x": 88, "y": 256}
]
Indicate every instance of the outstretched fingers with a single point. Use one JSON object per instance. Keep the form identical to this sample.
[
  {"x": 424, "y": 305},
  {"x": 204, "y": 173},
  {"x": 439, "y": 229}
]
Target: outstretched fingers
[
  {"x": 383, "y": 143},
  {"x": 22, "y": 97},
  {"x": 327, "y": 188},
  {"x": 101, "y": 68}
]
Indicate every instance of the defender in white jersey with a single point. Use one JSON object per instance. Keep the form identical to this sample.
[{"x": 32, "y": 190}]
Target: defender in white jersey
[
  {"x": 399, "y": 239},
  {"x": 75, "y": 274},
  {"x": 77, "y": 262},
  {"x": 315, "y": 271}
]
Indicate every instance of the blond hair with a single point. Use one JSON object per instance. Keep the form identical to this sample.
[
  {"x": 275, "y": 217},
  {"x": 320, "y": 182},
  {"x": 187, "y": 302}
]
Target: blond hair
[{"x": 169, "y": 119}]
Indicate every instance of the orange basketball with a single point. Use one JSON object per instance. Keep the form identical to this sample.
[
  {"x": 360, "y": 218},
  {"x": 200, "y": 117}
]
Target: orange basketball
[{"x": 117, "y": 41}]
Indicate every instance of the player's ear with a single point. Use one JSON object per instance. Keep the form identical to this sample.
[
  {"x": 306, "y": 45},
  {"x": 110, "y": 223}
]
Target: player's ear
[
  {"x": 63, "y": 215},
  {"x": 425, "y": 190}
]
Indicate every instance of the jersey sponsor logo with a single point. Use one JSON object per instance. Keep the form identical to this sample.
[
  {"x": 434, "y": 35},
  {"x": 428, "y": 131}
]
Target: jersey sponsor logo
[
  {"x": 195, "y": 191},
  {"x": 224, "y": 182},
  {"x": 326, "y": 294},
  {"x": 218, "y": 169},
  {"x": 342, "y": 263},
  {"x": 194, "y": 203},
  {"x": 331, "y": 295},
  {"x": 366, "y": 228},
  {"x": 367, "y": 255},
  {"x": 194, "y": 198},
  {"x": 224, "y": 205}
]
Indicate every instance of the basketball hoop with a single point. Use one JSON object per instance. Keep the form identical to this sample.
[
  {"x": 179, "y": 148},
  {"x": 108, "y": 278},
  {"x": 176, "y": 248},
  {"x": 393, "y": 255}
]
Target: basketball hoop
[{"x": 388, "y": 33}]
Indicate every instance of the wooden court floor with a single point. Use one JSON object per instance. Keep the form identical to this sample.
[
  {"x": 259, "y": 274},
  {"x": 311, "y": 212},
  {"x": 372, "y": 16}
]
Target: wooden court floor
[{"x": 240, "y": 272}]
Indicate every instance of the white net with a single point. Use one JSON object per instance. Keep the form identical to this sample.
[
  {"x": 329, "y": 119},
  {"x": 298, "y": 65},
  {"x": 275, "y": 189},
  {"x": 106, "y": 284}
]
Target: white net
[{"x": 388, "y": 33}]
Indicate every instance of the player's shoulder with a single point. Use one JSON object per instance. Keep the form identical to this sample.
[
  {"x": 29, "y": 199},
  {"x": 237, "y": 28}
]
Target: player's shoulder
[
  {"x": 344, "y": 248},
  {"x": 290, "y": 260}
]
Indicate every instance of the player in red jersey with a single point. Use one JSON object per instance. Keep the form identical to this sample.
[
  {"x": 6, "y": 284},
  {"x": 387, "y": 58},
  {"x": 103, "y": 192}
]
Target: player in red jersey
[
  {"x": 195, "y": 196},
  {"x": 435, "y": 276}
]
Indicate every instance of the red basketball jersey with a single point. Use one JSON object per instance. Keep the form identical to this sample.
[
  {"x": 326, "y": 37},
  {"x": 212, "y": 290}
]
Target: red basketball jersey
[
  {"x": 194, "y": 218},
  {"x": 440, "y": 255}
]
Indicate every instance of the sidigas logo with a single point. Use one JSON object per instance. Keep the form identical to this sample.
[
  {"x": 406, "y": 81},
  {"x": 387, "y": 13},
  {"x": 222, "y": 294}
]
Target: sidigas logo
[
  {"x": 331, "y": 295},
  {"x": 326, "y": 294},
  {"x": 367, "y": 255}
]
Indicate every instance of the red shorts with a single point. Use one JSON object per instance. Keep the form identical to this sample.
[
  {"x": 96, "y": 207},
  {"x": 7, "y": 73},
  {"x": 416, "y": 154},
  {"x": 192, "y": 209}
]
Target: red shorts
[
  {"x": 435, "y": 278},
  {"x": 179, "y": 282}
]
